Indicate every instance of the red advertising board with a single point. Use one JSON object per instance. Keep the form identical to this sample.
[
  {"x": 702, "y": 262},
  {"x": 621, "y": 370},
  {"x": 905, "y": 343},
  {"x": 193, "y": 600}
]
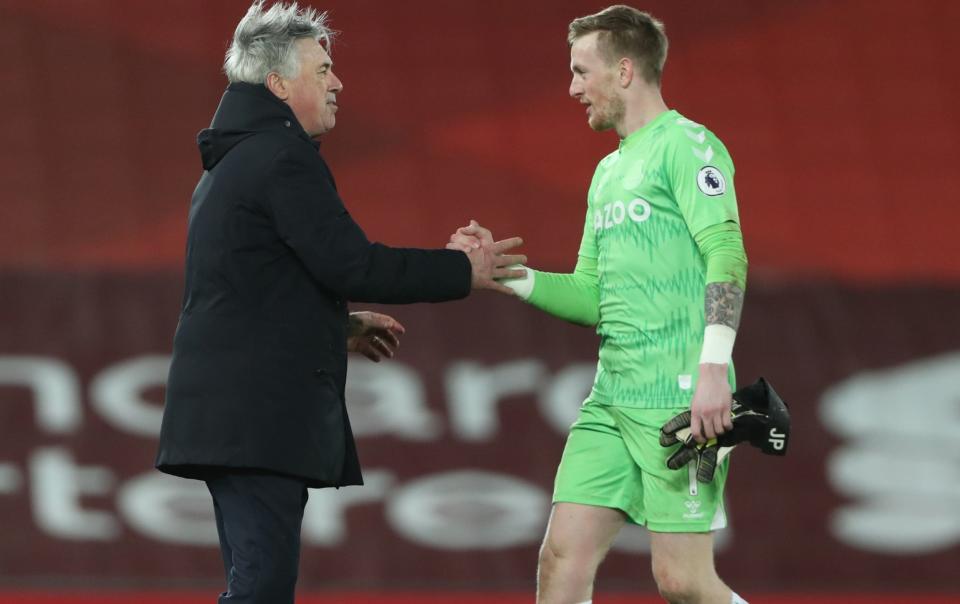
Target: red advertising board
[{"x": 460, "y": 436}]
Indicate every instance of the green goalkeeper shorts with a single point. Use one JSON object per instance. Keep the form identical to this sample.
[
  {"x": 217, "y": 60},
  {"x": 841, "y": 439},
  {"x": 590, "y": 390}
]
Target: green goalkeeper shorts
[{"x": 613, "y": 459}]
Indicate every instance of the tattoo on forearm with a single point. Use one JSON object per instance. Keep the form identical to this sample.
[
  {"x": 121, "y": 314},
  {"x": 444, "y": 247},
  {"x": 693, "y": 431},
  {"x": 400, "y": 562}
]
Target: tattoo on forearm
[{"x": 723, "y": 304}]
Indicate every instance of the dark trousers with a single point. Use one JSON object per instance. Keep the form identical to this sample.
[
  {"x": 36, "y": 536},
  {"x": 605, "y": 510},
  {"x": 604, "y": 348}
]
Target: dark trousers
[{"x": 258, "y": 519}]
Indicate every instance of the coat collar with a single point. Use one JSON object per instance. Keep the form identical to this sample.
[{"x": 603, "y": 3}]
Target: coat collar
[
  {"x": 253, "y": 108},
  {"x": 245, "y": 110}
]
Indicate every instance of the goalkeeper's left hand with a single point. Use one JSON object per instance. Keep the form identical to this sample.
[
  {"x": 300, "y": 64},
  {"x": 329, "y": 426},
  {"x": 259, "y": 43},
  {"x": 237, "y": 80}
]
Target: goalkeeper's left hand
[
  {"x": 706, "y": 456},
  {"x": 758, "y": 416}
]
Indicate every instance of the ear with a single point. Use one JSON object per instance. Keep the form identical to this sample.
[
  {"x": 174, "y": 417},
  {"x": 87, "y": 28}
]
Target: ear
[
  {"x": 277, "y": 84},
  {"x": 625, "y": 72}
]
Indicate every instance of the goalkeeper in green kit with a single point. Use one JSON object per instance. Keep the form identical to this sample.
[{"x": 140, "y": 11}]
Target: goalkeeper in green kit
[{"x": 661, "y": 274}]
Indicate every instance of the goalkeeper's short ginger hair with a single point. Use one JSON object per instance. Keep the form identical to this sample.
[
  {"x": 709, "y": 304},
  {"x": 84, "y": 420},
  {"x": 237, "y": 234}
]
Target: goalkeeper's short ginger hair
[{"x": 626, "y": 32}]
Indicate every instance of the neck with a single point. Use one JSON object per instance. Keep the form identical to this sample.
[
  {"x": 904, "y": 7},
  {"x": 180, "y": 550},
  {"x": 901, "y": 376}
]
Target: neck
[{"x": 642, "y": 109}]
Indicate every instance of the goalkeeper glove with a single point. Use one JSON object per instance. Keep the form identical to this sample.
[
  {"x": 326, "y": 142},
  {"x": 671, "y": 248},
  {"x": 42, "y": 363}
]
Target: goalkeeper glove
[{"x": 760, "y": 417}]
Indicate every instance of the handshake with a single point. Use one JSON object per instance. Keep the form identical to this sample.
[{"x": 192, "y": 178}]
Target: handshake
[{"x": 488, "y": 260}]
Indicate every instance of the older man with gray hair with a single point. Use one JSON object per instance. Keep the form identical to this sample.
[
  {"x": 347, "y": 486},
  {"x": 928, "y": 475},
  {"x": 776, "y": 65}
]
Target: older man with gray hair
[{"x": 255, "y": 397}]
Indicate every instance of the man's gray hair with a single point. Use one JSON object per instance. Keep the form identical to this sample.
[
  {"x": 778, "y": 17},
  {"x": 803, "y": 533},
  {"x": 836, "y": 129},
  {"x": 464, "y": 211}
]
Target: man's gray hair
[{"x": 264, "y": 41}]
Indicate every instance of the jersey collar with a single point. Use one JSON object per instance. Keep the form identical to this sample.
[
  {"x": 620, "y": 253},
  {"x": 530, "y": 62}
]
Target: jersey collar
[{"x": 637, "y": 135}]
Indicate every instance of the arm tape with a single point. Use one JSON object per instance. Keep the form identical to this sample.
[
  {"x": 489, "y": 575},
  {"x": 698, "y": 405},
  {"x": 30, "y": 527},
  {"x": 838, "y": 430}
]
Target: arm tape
[
  {"x": 522, "y": 286},
  {"x": 717, "y": 344}
]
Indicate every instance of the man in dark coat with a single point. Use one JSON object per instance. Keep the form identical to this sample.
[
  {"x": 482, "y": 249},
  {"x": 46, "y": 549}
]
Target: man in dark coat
[{"x": 255, "y": 397}]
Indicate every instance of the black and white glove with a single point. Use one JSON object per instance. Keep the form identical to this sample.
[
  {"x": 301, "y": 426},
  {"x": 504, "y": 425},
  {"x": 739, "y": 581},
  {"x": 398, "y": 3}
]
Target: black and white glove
[{"x": 760, "y": 417}]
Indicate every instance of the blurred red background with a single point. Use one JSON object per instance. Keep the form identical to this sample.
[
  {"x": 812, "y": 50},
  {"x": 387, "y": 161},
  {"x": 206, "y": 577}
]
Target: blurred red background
[{"x": 841, "y": 117}]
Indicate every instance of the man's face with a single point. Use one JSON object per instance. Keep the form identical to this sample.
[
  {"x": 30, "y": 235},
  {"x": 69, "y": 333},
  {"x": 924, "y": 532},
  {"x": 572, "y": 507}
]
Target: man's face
[
  {"x": 595, "y": 83},
  {"x": 313, "y": 93}
]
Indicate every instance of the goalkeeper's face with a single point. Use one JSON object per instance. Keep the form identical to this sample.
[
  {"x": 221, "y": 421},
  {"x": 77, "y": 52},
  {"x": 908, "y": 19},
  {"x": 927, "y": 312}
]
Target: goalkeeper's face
[{"x": 594, "y": 83}]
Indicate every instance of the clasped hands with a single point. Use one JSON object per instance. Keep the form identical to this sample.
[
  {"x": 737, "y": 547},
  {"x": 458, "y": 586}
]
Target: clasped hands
[
  {"x": 377, "y": 336},
  {"x": 487, "y": 258}
]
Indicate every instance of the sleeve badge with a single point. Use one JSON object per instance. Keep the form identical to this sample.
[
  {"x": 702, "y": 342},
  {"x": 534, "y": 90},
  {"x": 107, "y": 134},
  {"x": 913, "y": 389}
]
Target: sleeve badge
[{"x": 710, "y": 181}]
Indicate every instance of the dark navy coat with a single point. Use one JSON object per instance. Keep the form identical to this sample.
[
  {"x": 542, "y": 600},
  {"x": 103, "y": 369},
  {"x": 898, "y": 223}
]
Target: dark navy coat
[{"x": 273, "y": 257}]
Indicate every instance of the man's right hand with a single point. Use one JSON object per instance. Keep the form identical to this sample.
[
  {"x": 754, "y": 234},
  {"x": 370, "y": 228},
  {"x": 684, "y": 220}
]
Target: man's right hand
[{"x": 487, "y": 258}]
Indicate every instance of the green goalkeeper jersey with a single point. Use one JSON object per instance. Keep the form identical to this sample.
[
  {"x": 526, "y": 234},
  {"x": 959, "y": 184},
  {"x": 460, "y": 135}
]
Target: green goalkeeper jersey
[{"x": 664, "y": 184}]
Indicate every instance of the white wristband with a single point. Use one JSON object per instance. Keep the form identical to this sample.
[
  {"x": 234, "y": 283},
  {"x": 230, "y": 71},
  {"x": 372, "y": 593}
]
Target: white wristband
[
  {"x": 522, "y": 286},
  {"x": 717, "y": 344}
]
